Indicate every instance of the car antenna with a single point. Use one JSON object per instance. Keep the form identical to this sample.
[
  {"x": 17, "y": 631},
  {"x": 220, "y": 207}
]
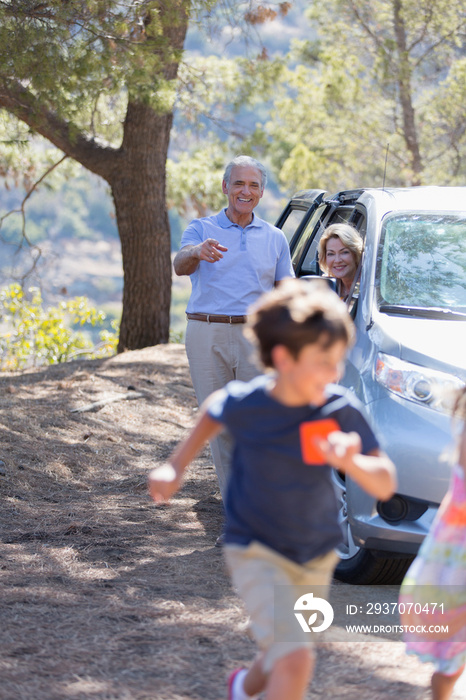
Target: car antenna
[{"x": 385, "y": 166}]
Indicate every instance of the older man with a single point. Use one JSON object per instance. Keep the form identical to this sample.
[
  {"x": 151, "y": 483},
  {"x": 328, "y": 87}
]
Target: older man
[{"x": 232, "y": 258}]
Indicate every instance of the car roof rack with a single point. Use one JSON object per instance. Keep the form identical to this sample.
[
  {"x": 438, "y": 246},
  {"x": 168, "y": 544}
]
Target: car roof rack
[{"x": 345, "y": 197}]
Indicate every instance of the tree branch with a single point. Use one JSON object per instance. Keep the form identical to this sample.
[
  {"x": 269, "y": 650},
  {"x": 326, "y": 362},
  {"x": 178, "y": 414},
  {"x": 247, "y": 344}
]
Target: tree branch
[
  {"x": 440, "y": 41},
  {"x": 370, "y": 33},
  {"x": 20, "y": 102},
  {"x": 424, "y": 31},
  {"x": 21, "y": 210}
]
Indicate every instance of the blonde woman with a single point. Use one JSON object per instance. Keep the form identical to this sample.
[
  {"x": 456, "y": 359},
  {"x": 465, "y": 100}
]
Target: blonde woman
[{"x": 340, "y": 252}]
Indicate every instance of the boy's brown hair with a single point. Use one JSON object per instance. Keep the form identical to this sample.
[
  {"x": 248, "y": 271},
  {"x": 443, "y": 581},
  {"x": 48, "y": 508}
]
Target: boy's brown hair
[{"x": 298, "y": 313}]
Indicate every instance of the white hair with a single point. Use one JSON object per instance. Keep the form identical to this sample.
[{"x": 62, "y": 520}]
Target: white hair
[{"x": 245, "y": 161}]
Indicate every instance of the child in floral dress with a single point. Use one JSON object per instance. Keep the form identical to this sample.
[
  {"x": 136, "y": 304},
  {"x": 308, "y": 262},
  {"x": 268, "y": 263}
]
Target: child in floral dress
[{"x": 438, "y": 576}]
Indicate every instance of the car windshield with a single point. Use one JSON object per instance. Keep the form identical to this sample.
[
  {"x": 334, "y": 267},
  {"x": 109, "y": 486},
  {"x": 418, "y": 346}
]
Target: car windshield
[{"x": 422, "y": 261}]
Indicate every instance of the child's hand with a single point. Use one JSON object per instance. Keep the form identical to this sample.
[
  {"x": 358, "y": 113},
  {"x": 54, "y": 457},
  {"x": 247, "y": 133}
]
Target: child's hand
[
  {"x": 339, "y": 449},
  {"x": 163, "y": 483}
]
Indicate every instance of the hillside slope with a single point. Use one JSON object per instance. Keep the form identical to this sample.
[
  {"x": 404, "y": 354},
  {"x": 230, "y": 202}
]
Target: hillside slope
[{"x": 105, "y": 595}]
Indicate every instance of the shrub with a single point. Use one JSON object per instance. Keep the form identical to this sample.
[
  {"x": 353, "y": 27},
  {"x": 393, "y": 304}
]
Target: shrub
[{"x": 31, "y": 336}]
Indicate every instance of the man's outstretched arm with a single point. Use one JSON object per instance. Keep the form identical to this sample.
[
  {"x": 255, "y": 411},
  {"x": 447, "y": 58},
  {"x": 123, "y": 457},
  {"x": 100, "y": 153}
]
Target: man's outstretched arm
[{"x": 188, "y": 258}]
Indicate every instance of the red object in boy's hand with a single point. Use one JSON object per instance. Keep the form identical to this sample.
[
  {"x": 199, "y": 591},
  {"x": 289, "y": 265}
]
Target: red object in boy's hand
[{"x": 312, "y": 432}]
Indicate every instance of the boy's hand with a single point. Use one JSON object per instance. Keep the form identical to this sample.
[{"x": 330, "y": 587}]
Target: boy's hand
[
  {"x": 163, "y": 483},
  {"x": 340, "y": 448}
]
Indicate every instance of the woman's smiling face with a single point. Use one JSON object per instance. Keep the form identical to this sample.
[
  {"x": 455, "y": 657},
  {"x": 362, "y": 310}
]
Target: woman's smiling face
[{"x": 340, "y": 260}]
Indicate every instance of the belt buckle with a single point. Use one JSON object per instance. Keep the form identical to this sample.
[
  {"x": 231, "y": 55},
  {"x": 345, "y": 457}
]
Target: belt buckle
[
  {"x": 208, "y": 318},
  {"x": 229, "y": 320}
]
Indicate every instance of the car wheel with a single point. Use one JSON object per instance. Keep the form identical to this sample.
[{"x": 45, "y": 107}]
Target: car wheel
[{"x": 357, "y": 565}]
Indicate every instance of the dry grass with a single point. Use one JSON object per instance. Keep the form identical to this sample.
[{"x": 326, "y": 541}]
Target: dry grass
[{"x": 106, "y": 596}]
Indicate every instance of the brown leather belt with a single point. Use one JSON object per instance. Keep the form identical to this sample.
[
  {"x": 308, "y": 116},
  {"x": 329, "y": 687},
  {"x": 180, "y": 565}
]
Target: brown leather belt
[{"x": 215, "y": 318}]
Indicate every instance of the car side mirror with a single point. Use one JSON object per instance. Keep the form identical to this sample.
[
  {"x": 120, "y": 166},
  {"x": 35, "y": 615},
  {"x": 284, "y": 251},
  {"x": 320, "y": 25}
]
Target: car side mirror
[{"x": 314, "y": 268}]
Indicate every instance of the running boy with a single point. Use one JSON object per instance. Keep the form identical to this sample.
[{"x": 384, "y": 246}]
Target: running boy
[{"x": 281, "y": 511}]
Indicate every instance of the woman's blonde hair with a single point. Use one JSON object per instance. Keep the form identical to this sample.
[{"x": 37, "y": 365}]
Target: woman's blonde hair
[{"x": 350, "y": 238}]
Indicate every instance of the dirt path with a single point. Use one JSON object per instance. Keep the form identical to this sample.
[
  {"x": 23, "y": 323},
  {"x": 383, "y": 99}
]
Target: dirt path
[{"x": 105, "y": 596}]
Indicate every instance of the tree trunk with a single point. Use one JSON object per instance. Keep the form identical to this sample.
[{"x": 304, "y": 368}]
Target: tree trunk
[
  {"x": 138, "y": 190},
  {"x": 405, "y": 91}
]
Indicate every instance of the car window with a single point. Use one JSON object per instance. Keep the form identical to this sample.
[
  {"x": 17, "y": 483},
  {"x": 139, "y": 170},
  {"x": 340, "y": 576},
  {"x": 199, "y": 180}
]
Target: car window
[
  {"x": 292, "y": 222},
  {"x": 305, "y": 236},
  {"x": 340, "y": 216},
  {"x": 358, "y": 220},
  {"x": 309, "y": 265},
  {"x": 422, "y": 260}
]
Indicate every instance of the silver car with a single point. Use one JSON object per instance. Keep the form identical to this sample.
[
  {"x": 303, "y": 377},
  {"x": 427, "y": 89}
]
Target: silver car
[{"x": 408, "y": 359}]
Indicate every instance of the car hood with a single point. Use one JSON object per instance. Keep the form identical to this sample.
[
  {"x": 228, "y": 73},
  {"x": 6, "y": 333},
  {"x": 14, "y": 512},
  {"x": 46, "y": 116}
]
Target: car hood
[{"x": 434, "y": 343}]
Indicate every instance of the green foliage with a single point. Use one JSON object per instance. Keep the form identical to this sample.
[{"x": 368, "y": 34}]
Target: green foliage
[
  {"x": 194, "y": 180},
  {"x": 176, "y": 336},
  {"x": 85, "y": 60},
  {"x": 31, "y": 335},
  {"x": 385, "y": 72},
  {"x": 111, "y": 46},
  {"x": 215, "y": 91},
  {"x": 24, "y": 158},
  {"x": 98, "y": 79},
  {"x": 220, "y": 103}
]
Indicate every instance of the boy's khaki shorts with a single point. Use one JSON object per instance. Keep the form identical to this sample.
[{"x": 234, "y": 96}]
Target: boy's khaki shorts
[{"x": 255, "y": 571}]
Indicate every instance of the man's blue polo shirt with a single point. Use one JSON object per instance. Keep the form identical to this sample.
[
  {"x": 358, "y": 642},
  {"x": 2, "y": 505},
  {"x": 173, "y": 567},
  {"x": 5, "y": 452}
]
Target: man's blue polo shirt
[{"x": 257, "y": 257}]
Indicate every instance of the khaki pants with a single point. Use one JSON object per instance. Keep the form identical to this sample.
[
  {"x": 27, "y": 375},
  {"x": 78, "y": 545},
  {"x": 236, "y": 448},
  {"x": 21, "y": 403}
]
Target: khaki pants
[{"x": 217, "y": 354}]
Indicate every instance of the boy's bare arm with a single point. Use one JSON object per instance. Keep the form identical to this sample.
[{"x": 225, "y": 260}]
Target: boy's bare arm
[
  {"x": 164, "y": 481},
  {"x": 375, "y": 472}
]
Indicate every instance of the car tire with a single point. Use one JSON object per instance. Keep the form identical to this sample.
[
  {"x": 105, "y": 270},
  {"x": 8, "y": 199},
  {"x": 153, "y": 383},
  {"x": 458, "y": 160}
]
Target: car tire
[
  {"x": 362, "y": 566},
  {"x": 367, "y": 568}
]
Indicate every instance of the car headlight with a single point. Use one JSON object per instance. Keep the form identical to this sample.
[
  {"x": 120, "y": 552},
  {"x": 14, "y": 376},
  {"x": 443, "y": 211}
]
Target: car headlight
[{"x": 415, "y": 383}]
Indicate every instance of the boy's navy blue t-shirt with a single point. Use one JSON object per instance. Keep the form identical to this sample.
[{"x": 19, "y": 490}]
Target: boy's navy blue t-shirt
[{"x": 274, "y": 497}]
